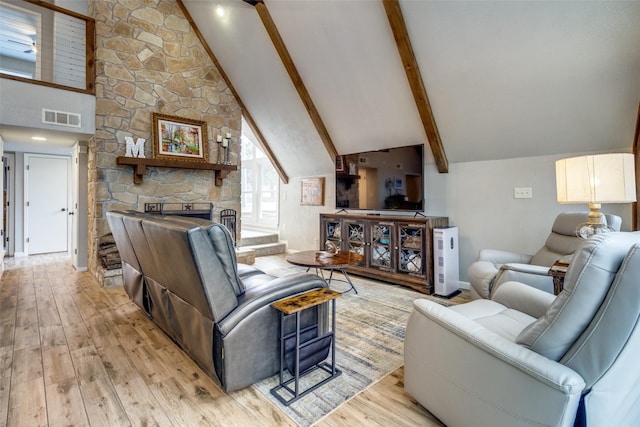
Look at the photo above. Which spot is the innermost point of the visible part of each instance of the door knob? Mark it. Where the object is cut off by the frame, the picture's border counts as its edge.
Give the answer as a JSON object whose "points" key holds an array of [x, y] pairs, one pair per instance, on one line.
{"points": [[70, 213], [63, 210]]}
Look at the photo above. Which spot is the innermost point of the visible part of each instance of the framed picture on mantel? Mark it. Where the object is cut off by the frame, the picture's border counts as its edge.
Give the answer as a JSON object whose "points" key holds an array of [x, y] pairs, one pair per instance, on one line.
{"points": [[179, 138]]}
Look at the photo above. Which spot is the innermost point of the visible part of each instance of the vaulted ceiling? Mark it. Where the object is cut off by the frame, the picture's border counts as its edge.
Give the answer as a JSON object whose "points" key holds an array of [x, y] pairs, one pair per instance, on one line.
{"points": [[504, 79]]}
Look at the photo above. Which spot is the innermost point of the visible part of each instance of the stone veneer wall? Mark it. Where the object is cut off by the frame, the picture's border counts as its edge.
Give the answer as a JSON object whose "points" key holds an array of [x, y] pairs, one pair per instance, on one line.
{"points": [[148, 59]]}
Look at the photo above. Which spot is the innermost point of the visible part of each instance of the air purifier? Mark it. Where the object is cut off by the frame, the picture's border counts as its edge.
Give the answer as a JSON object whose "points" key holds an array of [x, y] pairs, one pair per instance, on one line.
{"points": [[445, 262]]}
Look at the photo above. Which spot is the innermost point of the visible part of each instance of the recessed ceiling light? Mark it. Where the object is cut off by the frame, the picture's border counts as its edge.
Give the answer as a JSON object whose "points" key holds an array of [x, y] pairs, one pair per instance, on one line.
{"points": [[220, 11], [38, 138]]}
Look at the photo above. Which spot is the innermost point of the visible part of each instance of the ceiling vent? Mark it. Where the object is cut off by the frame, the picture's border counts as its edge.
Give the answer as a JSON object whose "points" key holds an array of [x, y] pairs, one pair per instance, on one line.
{"points": [[60, 118]]}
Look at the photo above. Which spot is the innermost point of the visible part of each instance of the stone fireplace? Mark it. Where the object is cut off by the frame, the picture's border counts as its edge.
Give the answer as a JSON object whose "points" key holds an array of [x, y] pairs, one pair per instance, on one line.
{"points": [[149, 59]]}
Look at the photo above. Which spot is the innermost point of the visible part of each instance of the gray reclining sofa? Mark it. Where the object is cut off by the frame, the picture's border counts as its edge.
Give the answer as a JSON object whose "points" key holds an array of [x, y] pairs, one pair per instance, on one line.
{"points": [[182, 272]]}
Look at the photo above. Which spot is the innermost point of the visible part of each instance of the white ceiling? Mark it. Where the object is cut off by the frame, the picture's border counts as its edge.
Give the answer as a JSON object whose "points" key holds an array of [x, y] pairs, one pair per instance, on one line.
{"points": [[20, 139], [506, 79], [525, 78]]}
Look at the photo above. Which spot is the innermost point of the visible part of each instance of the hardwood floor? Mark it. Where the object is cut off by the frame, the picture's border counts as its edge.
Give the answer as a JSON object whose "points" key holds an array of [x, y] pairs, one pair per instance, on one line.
{"points": [[74, 354]]}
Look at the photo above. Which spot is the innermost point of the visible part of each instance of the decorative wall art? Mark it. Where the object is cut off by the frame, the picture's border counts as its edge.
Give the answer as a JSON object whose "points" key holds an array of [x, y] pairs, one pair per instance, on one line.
{"points": [[134, 149], [178, 138], [312, 191]]}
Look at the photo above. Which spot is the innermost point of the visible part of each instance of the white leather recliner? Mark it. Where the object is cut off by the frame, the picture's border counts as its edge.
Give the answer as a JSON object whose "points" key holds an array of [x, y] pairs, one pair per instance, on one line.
{"points": [[494, 267], [527, 357]]}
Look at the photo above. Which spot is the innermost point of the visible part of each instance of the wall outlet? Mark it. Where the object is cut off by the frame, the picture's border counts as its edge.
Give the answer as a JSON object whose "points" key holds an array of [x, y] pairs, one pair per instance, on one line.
{"points": [[522, 193]]}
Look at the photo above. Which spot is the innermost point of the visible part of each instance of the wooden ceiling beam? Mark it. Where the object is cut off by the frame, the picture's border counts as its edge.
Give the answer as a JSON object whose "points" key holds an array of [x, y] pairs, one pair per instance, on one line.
{"points": [[399, 28], [296, 79], [245, 112]]}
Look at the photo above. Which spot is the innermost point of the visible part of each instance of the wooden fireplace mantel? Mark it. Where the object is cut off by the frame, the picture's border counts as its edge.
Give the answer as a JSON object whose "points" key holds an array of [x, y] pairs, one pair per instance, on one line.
{"points": [[140, 167]]}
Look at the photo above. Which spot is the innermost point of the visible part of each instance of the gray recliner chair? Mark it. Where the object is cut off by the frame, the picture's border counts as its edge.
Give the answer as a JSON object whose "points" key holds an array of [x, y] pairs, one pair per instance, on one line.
{"points": [[218, 311], [527, 357], [494, 267]]}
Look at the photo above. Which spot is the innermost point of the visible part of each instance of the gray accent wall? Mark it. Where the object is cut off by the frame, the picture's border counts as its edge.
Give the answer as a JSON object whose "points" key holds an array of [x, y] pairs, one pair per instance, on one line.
{"points": [[478, 199]]}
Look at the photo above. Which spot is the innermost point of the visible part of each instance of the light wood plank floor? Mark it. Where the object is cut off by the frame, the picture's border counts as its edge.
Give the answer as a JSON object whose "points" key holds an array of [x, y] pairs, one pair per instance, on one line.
{"points": [[74, 354]]}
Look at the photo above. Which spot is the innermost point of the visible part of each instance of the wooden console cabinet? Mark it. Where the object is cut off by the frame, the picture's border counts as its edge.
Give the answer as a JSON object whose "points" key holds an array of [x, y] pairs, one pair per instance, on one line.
{"points": [[397, 249]]}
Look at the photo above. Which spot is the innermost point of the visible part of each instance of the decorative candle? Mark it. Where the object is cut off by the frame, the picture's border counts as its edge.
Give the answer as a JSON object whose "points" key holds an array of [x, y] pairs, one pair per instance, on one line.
{"points": [[225, 143], [228, 135], [219, 138]]}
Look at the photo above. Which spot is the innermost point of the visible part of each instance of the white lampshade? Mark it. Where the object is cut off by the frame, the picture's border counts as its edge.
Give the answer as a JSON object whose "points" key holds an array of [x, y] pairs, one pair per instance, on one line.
{"points": [[602, 178]]}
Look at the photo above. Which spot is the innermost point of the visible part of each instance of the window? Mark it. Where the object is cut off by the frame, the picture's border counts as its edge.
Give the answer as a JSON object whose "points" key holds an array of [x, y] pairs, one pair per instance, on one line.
{"points": [[259, 188]]}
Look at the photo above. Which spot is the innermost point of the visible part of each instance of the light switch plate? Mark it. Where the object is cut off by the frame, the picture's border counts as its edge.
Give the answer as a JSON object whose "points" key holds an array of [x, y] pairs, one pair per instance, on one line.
{"points": [[522, 193]]}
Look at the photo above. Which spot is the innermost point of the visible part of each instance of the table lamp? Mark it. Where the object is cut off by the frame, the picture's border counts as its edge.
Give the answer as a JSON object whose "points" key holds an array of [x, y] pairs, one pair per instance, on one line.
{"points": [[596, 179]]}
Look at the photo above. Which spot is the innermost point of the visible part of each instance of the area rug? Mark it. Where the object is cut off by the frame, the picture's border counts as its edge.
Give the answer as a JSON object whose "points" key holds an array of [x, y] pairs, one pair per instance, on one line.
{"points": [[370, 328]]}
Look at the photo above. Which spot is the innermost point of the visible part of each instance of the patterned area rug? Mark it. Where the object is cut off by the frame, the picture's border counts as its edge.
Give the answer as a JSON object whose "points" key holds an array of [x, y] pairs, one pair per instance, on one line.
{"points": [[370, 329]]}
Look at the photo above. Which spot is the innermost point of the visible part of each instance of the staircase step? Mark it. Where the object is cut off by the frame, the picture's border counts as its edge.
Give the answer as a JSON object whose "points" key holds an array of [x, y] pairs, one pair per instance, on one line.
{"points": [[253, 238], [267, 248], [245, 255]]}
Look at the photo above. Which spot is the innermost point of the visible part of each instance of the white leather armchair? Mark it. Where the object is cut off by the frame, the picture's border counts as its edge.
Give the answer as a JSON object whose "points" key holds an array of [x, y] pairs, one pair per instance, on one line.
{"points": [[527, 357], [494, 267]]}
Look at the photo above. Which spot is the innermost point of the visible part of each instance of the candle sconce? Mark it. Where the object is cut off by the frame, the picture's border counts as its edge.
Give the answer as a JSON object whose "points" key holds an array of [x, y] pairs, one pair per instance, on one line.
{"points": [[226, 146], [226, 156], [223, 149], [220, 158]]}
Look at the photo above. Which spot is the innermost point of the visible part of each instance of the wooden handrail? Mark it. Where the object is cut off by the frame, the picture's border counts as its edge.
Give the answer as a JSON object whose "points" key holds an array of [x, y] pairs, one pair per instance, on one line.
{"points": [[414, 77]]}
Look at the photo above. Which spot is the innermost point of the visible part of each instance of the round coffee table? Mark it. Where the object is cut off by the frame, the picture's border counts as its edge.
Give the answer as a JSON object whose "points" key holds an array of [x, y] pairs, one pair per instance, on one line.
{"points": [[318, 260]]}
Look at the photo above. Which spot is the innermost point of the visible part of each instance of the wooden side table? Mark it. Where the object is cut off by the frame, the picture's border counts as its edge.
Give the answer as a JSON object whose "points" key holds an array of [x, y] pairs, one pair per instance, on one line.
{"points": [[558, 271], [294, 306]]}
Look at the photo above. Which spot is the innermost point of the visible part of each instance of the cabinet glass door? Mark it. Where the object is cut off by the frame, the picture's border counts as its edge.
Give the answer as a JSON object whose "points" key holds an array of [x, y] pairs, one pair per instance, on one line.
{"points": [[355, 233], [411, 253], [381, 246], [333, 232]]}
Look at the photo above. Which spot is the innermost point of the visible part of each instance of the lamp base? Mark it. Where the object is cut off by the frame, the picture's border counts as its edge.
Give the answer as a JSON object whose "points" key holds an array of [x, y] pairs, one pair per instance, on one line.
{"points": [[595, 224], [587, 229]]}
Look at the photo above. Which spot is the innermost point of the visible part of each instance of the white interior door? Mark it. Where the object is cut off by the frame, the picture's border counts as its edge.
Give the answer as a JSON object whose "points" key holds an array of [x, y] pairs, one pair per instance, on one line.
{"points": [[47, 203]]}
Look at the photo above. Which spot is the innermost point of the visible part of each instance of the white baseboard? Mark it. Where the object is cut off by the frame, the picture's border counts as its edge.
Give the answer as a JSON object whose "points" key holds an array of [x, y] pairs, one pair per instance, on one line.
{"points": [[19, 254]]}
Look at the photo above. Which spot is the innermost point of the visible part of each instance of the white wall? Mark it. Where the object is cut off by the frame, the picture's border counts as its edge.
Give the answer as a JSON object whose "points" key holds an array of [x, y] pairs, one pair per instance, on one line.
{"points": [[25, 110], [79, 6], [28, 100], [476, 196], [300, 225], [80, 180], [478, 199]]}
